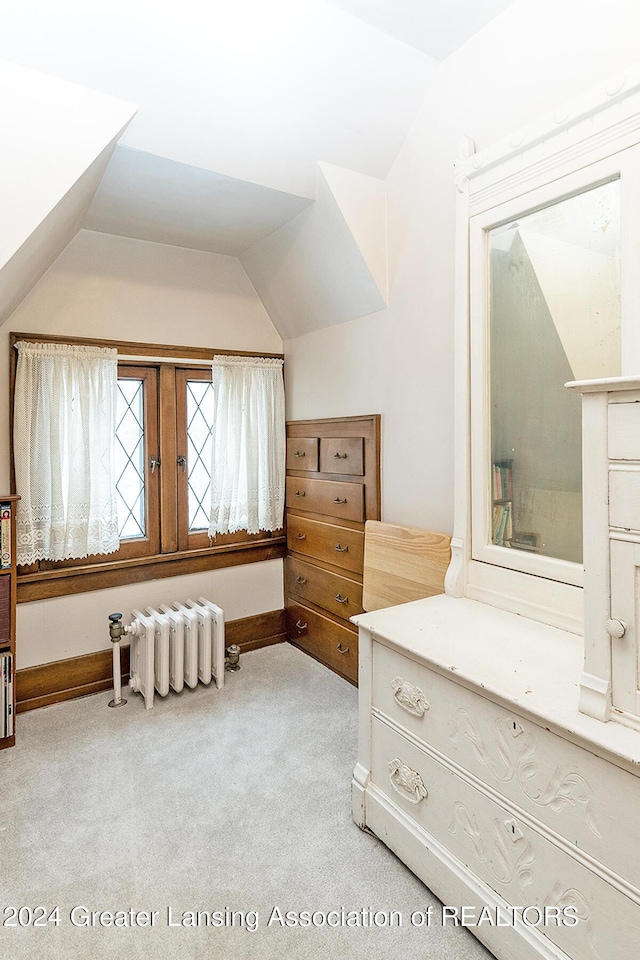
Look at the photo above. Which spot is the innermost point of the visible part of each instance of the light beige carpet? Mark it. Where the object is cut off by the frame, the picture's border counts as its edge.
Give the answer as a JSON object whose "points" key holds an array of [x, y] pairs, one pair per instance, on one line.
{"points": [[234, 799]]}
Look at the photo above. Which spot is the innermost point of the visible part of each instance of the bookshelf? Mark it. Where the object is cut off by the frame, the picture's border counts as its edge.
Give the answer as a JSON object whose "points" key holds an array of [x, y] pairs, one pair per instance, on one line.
{"points": [[7, 620]]}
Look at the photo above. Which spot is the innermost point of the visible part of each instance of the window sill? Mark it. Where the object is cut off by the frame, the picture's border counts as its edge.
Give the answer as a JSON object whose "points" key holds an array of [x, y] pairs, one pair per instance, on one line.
{"points": [[98, 576]]}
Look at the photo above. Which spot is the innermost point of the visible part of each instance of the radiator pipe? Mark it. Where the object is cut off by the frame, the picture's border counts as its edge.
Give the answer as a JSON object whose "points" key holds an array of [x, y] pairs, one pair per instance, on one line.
{"points": [[116, 630]]}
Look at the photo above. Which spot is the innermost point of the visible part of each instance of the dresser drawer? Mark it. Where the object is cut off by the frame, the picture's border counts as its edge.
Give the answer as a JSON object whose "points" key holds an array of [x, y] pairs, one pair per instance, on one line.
{"points": [[344, 501], [334, 644], [624, 496], [342, 455], [507, 853], [302, 453], [330, 543], [334, 593], [562, 785], [623, 433]]}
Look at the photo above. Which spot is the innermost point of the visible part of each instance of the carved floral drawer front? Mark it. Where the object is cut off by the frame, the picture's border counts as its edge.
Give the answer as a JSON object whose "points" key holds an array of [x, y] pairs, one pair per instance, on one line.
{"points": [[566, 788], [505, 852]]}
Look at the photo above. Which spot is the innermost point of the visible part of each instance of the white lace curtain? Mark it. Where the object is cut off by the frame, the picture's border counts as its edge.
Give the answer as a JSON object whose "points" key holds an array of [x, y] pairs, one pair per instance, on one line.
{"points": [[64, 440], [248, 449]]}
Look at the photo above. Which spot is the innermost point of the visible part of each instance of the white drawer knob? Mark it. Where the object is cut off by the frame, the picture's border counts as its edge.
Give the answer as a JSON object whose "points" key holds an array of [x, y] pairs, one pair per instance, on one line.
{"points": [[616, 629]]}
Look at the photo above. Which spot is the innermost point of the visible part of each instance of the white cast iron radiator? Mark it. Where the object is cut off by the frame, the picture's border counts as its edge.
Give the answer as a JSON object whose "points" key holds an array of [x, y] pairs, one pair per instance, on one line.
{"points": [[176, 645]]}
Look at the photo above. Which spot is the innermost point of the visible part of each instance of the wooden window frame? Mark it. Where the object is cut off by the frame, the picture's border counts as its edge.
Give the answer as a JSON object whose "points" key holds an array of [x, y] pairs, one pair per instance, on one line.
{"points": [[168, 549]]}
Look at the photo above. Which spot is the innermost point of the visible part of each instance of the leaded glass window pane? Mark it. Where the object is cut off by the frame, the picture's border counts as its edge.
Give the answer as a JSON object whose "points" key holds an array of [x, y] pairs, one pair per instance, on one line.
{"points": [[130, 459], [199, 427]]}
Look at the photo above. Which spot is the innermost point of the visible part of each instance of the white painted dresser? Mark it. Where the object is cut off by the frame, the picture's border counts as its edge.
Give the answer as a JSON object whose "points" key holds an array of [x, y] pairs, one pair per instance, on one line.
{"points": [[476, 768], [499, 736]]}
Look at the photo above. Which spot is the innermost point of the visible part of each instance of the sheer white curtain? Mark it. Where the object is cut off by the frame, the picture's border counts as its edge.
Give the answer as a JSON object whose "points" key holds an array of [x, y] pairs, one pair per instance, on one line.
{"points": [[64, 441], [248, 449]]}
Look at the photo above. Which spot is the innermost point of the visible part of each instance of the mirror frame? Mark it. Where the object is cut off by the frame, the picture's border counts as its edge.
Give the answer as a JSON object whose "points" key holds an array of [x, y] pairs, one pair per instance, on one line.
{"points": [[582, 144]]}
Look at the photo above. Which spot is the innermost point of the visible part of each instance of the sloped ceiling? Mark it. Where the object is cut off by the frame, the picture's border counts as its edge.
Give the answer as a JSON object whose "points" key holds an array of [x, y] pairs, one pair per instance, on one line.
{"points": [[433, 26], [252, 90], [57, 140], [313, 272], [147, 197], [237, 104]]}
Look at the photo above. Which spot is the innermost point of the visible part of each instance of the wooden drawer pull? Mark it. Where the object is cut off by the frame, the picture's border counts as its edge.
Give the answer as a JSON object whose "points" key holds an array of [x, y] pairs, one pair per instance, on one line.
{"points": [[301, 579], [340, 456], [339, 500], [300, 493], [340, 599], [299, 453], [410, 698], [300, 625], [301, 536], [407, 782], [342, 649], [341, 549]]}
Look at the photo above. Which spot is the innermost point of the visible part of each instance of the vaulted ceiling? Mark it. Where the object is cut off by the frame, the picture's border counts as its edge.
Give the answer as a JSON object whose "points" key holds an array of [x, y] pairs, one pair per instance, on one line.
{"points": [[433, 26], [237, 103]]}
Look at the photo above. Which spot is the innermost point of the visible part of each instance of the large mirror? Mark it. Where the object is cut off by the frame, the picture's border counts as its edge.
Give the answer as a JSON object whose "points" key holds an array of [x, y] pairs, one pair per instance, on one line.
{"points": [[554, 315]]}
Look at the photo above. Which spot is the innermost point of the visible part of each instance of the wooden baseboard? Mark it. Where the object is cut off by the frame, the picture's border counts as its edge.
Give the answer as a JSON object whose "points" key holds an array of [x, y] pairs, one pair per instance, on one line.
{"points": [[79, 676], [263, 630], [67, 679]]}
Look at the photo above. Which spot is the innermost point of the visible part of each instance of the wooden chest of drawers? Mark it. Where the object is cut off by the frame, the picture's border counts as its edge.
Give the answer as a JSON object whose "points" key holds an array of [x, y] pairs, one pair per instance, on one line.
{"points": [[332, 488]]}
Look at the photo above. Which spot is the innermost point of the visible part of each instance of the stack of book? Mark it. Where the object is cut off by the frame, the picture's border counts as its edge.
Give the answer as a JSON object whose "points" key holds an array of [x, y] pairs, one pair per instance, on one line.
{"points": [[502, 524], [502, 494], [6, 695], [502, 480], [5, 536]]}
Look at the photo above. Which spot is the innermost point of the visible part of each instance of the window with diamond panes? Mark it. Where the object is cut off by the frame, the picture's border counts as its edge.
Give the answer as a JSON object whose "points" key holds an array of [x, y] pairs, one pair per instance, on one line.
{"points": [[130, 459], [199, 425], [163, 478]]}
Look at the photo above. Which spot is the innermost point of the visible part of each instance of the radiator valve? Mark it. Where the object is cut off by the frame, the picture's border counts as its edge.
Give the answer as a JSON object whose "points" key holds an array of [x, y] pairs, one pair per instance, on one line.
{"points": [[232, 660], [116, 627]]}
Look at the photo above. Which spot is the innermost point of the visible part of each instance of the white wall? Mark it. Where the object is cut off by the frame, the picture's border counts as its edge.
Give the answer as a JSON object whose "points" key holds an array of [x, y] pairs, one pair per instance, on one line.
{"points": [[399, 362], [65, 627], [124, 289], [106, 286]]}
